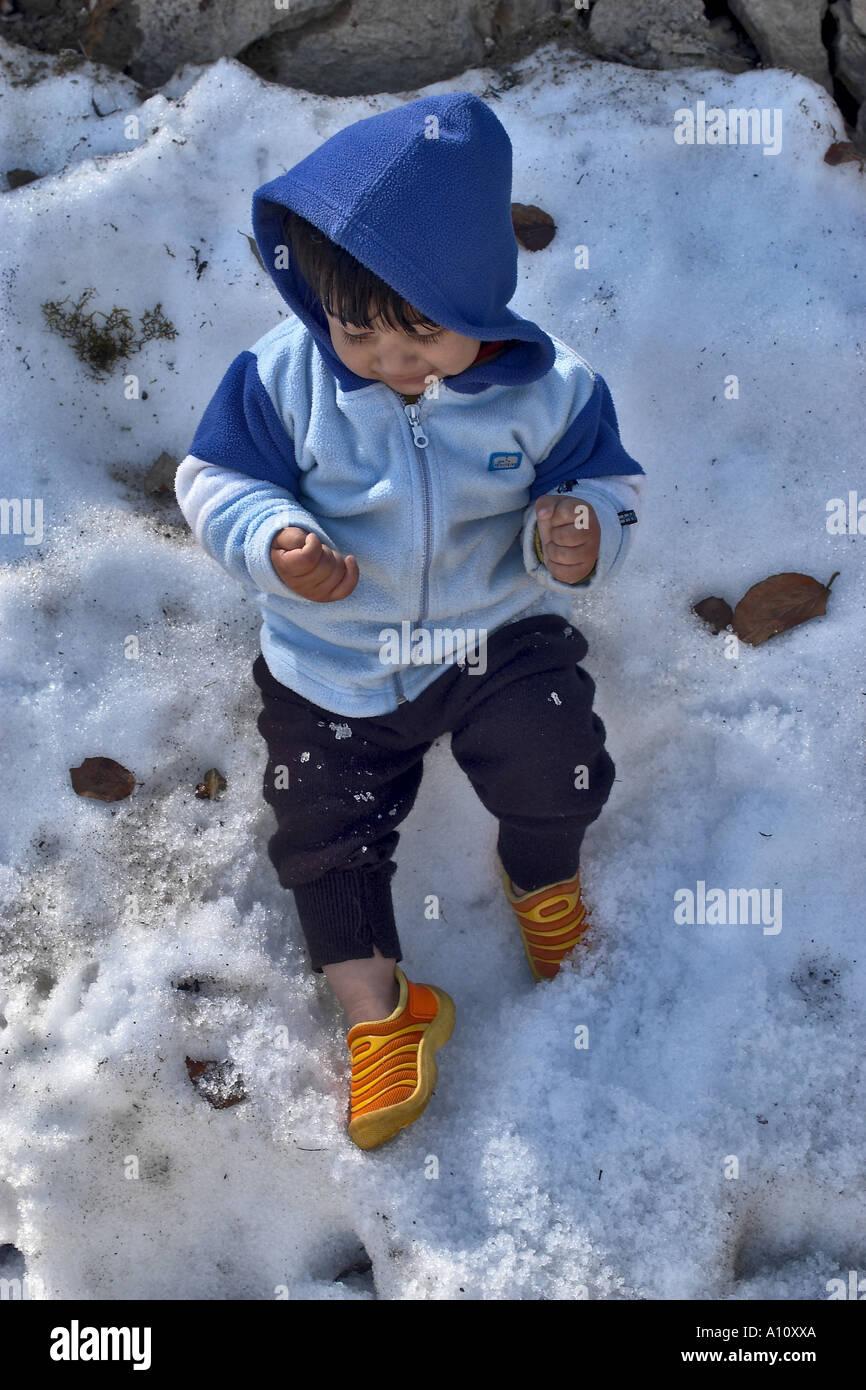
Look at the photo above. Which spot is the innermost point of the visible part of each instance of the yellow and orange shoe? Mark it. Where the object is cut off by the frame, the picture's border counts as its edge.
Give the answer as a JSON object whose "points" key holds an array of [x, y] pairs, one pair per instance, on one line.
{"points": [[552, 921], [393, 1067]]}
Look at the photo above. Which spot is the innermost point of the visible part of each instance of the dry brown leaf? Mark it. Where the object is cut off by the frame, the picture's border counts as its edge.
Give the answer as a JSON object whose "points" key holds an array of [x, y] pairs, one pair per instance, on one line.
{"points": [[776, 604], [211, 785], [219, 1082], [103, 779], [253, 248], [841, 151], [715, 611], [533, 227]]}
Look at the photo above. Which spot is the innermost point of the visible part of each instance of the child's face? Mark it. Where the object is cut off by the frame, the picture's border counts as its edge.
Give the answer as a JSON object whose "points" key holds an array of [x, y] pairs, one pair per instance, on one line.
{"points": [[401, 360]]}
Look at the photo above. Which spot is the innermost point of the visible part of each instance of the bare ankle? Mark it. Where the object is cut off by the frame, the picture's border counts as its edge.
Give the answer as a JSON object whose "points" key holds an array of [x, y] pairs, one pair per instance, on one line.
{"points": [[374, 1011], [366, 989]]}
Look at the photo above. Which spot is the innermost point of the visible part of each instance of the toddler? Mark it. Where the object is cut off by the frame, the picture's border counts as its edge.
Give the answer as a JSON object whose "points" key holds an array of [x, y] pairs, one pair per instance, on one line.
{"points": [[416, 483]]}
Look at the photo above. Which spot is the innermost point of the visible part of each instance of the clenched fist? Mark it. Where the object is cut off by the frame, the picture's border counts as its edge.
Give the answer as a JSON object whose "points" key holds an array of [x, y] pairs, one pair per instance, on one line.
{"points": [[311, 569], [570, 536]]}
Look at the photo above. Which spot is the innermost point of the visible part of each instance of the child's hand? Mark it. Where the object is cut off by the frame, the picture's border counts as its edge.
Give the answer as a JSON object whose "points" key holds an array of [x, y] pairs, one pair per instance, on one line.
{"points": [[570, 536], [311, 569]]}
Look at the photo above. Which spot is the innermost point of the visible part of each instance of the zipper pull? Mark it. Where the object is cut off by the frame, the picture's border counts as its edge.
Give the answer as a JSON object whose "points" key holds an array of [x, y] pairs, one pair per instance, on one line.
{"points": [[418, 434]]}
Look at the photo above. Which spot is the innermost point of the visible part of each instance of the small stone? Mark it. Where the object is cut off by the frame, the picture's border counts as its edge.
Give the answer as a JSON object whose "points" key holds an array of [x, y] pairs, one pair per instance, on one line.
{"points": [[161, 474], [19, 177]]}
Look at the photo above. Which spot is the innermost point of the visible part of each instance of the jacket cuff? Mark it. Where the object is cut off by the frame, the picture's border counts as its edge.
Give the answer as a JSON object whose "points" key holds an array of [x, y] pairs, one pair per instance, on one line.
{"points": [[612, 546]]}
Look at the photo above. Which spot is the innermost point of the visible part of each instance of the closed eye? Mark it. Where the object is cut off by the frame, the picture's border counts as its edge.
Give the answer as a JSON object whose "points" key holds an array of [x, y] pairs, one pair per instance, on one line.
{"points": [[362, 338]]}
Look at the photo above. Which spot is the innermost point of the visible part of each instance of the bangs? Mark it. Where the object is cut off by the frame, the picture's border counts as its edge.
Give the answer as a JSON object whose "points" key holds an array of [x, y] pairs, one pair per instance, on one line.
{"points": [[345, 288]]}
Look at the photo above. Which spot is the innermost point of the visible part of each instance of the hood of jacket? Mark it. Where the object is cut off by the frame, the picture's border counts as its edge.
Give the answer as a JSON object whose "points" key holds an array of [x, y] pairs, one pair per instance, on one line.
{"points": [[420, 195]]}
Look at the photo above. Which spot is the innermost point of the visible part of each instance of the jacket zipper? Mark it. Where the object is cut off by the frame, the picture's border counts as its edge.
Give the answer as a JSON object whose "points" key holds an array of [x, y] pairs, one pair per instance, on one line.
{"points": [[420, 441]]}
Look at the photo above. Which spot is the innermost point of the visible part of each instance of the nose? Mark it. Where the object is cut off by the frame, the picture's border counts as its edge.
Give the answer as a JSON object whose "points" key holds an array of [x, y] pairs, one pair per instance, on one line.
{"points": [[400, 367]]}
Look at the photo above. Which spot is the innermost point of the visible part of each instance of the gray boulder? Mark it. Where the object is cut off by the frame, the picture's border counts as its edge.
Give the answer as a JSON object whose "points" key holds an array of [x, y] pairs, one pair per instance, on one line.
{"points": [[199, 31], [849, 50], [665, 34], [787, 34], [151, 39], [383, 45]]}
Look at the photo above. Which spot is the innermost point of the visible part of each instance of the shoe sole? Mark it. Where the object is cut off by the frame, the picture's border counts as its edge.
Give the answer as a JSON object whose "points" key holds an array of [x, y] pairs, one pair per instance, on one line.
{"points": [[370, 1130]]}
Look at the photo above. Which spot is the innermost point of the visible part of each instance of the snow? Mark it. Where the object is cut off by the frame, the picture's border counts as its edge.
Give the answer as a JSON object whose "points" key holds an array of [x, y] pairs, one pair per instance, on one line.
{"points": [[562, 1170]]}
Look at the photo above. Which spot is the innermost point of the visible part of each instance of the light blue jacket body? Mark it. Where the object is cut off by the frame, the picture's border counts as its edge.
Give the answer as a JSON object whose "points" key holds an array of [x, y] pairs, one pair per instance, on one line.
{"points": [[436, 498]]}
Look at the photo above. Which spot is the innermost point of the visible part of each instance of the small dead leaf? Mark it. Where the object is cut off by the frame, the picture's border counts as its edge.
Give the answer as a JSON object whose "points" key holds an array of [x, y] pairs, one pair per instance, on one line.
{"points": [[533, 227], [219, 1082], [776, 604], [211, 785], [103, 779], [161, 474], [841, 152], [715, 611], [254, 248]]}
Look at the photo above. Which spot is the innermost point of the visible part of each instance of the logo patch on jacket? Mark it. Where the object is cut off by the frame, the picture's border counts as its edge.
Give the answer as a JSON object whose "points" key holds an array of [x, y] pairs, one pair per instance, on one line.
{"points": [[504, 461]]}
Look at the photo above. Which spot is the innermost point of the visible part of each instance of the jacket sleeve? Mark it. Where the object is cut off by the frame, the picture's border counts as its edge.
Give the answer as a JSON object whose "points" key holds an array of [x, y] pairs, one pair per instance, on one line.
{"points": [[590, 464], [235, 518], [238, 485]]}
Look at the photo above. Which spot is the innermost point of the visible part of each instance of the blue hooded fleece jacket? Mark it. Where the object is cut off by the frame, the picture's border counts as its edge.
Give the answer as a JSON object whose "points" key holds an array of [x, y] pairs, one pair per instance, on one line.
{"points": [[435, 496]]}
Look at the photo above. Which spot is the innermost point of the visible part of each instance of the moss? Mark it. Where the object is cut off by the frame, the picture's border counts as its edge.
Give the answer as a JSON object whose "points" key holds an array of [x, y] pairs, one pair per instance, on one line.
{"points": [[68, 61], [102, 340]]}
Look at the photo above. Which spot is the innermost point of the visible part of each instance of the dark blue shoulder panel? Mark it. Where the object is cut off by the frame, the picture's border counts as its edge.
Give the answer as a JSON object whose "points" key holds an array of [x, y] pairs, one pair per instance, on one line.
{"points": [[240, 428], [590, 447]]}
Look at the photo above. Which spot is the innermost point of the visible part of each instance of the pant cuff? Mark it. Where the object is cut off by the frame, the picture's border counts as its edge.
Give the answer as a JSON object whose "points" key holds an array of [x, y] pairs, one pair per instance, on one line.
{"points": [[346, 913], [533, 864]]}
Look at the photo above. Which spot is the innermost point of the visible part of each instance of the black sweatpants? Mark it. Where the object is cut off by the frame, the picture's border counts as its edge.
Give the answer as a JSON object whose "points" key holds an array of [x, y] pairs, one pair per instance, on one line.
{"points": [[522, 730]]}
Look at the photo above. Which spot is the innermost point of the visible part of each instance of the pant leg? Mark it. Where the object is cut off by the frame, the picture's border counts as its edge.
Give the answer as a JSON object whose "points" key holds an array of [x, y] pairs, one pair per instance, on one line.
{"points": [[339, 786], [532, 747]]}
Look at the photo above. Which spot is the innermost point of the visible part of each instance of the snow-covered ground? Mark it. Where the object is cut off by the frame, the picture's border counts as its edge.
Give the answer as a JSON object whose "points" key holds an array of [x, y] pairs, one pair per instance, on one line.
{"points": [[563, 1171]]}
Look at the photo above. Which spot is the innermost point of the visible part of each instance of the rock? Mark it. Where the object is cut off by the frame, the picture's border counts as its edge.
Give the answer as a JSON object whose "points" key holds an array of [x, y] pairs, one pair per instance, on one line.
{"points": [[35, 7], [323, 46], [17, 178], [161, 475], [665, 34], [858, 14], [381, 46], [174, 32], [151, 39], [849, 51], [787, 34]]}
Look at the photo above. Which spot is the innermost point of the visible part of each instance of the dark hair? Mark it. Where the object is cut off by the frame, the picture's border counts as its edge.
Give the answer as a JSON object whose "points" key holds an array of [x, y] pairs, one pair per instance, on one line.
{"points": [[345, 288]]}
